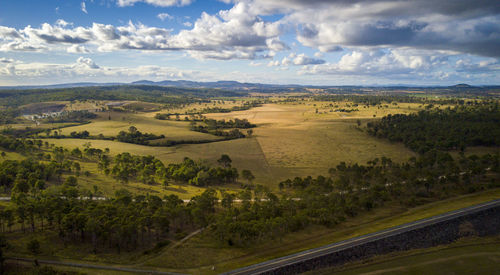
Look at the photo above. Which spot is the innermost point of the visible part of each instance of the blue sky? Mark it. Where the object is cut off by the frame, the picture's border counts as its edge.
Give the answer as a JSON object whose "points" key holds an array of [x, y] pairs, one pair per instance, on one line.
{"points": [[320, 42]]}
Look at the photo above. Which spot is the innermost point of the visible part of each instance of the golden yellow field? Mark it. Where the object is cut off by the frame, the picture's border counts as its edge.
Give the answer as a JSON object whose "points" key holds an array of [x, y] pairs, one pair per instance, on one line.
{"points": [[291, 139], [173, 130]]}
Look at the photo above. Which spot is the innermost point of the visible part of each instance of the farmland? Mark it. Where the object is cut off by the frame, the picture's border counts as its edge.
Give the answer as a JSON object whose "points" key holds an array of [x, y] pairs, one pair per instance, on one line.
{"points": [[290, 140]]}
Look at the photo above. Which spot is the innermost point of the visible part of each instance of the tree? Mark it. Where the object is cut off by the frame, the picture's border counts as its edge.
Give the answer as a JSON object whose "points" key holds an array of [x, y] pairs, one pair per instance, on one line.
{"points": [[77, 167], [225, 161], [249, 133], [3, 244], [71, 181], [227, 199], [247, 174], [33, 246], [132, 129], [4, 154]]}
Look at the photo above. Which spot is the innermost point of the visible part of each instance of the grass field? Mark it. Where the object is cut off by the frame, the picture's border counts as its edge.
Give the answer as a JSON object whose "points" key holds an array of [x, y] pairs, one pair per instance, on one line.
{"points": [[466, 256], [296, 141], [173, 130], [107, 186], [290, 140], [11, 155]]}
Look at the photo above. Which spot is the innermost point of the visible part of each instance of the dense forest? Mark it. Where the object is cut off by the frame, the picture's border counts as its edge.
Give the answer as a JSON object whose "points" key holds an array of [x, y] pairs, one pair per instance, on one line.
{"points": [[376, 99], [9, 115], [194, 113], [443, 129], [156, 94]]}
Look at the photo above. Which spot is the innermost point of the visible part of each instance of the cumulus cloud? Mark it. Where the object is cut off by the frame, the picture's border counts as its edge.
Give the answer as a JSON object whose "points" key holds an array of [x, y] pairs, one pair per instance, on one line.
{"points": [[386, 64], [159, 3], [294, 59], [164, 15], [77, 49], [62, 23], [458, 25], [427, 38], [86, 62], [235, 33], [302, 59], [466, 65]]}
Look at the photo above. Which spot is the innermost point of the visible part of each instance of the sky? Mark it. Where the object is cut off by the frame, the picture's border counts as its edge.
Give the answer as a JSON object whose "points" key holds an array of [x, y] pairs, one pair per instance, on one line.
{"points": [[311, 42]]}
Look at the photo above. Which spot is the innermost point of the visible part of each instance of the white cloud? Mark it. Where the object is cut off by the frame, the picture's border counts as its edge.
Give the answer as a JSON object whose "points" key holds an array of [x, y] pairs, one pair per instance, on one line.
{"points": [[255, 64], [235, 33], [6, 60], [62, 23], [159, 3], [164, 15], [86, 62], [77, 49], [415, 39], [294, 59], [83, 7], [274, 63], [394, 63], [85, 69], [302, 59]]}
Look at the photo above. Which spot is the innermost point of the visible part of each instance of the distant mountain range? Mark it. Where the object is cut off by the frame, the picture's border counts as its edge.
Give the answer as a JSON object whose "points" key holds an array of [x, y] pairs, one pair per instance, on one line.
{"points": [[227, 85]]}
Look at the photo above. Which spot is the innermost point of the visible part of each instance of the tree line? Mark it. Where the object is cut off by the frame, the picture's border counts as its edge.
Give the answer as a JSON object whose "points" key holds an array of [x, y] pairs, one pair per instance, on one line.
{"points": [[349, 190], [444, 129], [172, 96], [128, 222]]}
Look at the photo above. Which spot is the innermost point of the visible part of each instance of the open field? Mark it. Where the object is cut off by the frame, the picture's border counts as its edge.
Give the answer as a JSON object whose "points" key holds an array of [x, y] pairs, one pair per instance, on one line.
{"points": [[466, 256], [107, 185], [173, 130], [290, 140], [33, 125], [245, 153], [11, 155], [297, 141]]}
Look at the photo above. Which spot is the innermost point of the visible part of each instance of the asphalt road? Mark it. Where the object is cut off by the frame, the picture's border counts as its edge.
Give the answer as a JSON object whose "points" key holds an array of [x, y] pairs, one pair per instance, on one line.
{"points": [[339, 246]]}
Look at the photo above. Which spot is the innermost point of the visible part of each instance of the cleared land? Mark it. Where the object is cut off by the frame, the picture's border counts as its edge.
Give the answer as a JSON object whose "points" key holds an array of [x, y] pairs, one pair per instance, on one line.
{"points": [[290, 140], [173, 130]]}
